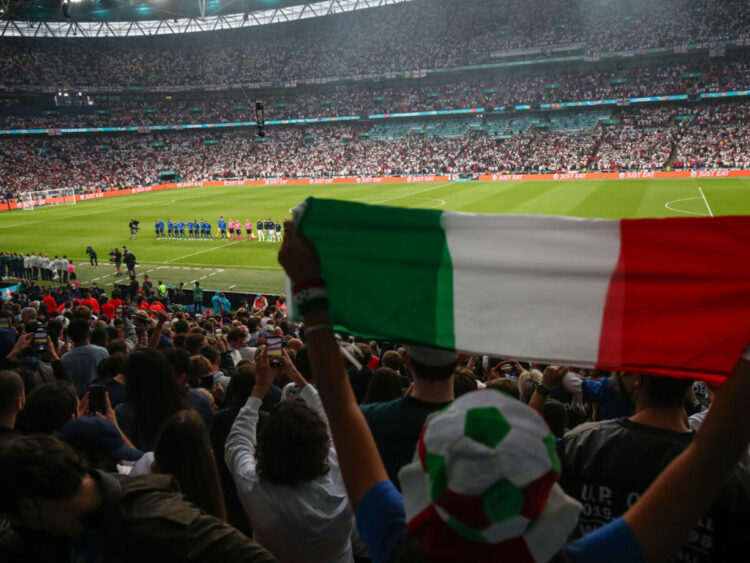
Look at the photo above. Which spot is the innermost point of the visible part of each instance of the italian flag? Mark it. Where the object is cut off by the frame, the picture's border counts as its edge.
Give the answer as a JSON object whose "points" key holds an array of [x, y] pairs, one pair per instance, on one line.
{"points": [[659, 296]]}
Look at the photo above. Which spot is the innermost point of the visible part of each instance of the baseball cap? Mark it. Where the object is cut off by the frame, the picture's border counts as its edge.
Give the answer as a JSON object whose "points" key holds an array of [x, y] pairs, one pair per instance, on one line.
{"points": [[94, 435], [433, 357], [483, 484]]}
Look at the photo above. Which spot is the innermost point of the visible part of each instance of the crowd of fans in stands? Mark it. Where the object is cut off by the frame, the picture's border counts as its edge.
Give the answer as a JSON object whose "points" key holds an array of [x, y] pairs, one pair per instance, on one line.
{"points": [[570, 85], [710, 136], [151, 423], [415, 35]]}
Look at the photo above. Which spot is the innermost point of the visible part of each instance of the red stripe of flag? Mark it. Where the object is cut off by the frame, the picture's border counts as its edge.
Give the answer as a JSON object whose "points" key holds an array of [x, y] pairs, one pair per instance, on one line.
{"points": [[679, 300]]}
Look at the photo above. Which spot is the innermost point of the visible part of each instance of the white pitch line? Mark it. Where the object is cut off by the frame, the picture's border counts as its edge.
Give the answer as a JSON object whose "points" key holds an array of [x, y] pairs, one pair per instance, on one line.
{"points": [[201, 252], [682, 210], [711, 213], [228, 266], [412, 193]]}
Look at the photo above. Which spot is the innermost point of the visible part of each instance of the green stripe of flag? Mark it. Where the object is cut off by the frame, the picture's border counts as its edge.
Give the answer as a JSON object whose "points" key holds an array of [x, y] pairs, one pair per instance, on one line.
{"points": [[388, 270]]}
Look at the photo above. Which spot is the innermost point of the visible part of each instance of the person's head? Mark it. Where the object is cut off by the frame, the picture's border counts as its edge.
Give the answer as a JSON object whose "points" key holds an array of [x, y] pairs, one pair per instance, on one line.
{"points": [[183, 449], [464, 381], [506, 385], [236, 338], [212, 355], [99, 336], [194, 342], [555, 416], [12, 397], [293, 445], [242, 384], [197, 284], [99, 441], [384, 386], [78, 331], [179, 359], [180, 326], [28, 314], [392, 359], [527, 382], [430, 364], [42, 483], [111, 367], [646, 391], [48, 408]]}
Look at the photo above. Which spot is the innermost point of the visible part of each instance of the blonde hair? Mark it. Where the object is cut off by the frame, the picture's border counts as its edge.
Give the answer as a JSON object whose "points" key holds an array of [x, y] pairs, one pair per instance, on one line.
{"points": [[527, 383]]}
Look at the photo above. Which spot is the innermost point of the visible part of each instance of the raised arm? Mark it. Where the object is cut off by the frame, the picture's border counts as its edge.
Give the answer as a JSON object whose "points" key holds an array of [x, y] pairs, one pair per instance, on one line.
{"points": [[359, 460], [239, 450]]}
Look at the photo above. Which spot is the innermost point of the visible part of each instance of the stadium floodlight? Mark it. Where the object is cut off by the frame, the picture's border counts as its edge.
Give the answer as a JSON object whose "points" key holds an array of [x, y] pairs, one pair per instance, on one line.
{"points": [[42, 198], [260, 118]]}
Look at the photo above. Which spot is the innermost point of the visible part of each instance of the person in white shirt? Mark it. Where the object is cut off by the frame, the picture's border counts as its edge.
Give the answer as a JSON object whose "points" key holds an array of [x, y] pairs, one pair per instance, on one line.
{"points": [[293, 492]]}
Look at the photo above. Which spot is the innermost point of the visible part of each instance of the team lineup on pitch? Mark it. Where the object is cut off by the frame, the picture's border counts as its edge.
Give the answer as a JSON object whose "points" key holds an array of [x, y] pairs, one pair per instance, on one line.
{"points": [[225, 261]]}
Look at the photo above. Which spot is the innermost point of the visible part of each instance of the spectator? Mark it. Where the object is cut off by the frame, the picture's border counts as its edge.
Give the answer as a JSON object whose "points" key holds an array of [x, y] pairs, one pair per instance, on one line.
{"points": [[182, 449], [152, 395], [396, 425], [48, 408], [384, 386], [82, 362], [610, 463], [99, 441], [53, 495], [289, 483], [12, 399]]}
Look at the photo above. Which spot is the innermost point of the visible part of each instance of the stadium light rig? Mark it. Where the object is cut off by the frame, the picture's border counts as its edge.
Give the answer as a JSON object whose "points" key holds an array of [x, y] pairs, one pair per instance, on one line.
{"points": [[260, 118]]}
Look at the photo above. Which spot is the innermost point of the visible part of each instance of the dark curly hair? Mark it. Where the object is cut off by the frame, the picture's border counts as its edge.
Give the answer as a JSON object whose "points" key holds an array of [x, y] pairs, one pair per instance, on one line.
{"points": [[293, 445]]}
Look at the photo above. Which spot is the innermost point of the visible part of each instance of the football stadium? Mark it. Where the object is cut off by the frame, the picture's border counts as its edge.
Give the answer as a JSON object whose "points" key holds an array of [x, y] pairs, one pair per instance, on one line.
{"points": [[374, 280]]}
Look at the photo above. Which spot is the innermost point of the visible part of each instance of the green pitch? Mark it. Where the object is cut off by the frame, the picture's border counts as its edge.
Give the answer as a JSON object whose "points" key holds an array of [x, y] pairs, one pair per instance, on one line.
{"points": [[252, 266]]}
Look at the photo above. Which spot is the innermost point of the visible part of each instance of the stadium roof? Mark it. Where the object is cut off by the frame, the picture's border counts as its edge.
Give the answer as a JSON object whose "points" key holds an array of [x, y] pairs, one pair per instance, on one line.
{"points": [[133, 18]]}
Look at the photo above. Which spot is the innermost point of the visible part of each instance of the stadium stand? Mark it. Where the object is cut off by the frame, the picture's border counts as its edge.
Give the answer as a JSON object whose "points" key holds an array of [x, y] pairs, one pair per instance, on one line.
{"points": [[201, 450]]}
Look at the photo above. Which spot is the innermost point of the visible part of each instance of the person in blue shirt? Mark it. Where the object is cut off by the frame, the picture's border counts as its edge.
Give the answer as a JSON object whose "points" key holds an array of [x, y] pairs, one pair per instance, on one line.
{"points": [[181, 225], [220, 303], [208, 230], [170, 228], [261, 232], [270, 232], [278, 231], [652, 529], [156, 228], [161, 228], [190, 225], [222, 226]]}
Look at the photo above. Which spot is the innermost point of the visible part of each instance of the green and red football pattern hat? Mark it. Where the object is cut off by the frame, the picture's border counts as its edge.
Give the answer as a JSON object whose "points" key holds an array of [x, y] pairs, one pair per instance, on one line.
{"points": [[482, 486]]}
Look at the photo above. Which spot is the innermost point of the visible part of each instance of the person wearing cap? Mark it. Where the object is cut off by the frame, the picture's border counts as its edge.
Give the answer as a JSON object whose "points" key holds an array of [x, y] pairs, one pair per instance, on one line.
{"points": [[436, 520], [396, 425], [260, 301], [100, 441]]}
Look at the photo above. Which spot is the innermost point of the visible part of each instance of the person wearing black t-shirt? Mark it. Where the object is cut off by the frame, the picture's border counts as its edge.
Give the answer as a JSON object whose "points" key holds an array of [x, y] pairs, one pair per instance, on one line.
{"points": [[396, 424], [608, 465]]}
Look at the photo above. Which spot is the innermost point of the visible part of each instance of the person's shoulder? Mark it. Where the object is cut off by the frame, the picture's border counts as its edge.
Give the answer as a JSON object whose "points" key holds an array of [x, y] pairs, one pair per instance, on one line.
{"points": [[376, 410], [582, 431]]}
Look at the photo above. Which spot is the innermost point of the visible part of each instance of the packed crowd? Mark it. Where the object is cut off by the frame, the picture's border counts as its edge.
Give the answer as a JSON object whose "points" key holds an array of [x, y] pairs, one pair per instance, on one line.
{"points": [[645, 138], [543, 87], [416, 35], [165, 425]]}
